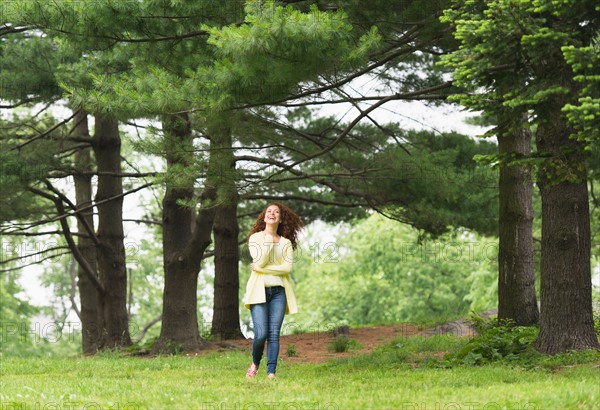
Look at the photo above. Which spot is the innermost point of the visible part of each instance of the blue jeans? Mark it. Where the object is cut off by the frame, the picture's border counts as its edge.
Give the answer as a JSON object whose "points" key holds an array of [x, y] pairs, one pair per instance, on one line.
{"points": [[267, 319]]}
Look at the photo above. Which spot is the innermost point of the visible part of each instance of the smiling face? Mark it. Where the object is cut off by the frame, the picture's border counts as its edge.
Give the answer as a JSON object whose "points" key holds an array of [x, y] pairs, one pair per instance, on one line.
{"points": [[273, 215]]}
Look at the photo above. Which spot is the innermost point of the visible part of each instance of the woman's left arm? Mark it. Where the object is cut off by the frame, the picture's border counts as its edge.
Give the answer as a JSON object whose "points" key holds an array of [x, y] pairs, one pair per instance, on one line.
{"points": [[284, 268]]}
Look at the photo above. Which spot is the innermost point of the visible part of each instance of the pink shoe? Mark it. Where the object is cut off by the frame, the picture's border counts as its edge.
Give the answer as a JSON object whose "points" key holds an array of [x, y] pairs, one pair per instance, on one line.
{"points": [[252, 370]]}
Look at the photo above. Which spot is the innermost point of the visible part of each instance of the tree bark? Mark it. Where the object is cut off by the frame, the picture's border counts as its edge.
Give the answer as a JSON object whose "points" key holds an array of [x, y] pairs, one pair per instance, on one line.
{"points": [[111, 251], [226, 314], [179, 331], [179, 317], [516, 278], [566, 320], [91, 318]]}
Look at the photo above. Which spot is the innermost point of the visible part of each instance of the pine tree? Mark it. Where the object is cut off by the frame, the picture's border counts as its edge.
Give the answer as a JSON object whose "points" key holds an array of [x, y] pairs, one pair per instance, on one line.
{"points": [[507, 48]]}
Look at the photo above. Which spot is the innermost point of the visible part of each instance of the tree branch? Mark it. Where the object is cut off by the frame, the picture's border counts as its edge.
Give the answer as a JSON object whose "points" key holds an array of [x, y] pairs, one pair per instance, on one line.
{"points": [[146, 328], [132, 40], [89, 271], [302, 175], [346, 131], [255, 197], [106, 173], [67, 214], [370, 98], [339, 83], [73, 288], [73, 207], [29, 255], [44, 134], [22, 102], [144, 221], [6, 29], [57, 232], [382, 129], [35, 263]]}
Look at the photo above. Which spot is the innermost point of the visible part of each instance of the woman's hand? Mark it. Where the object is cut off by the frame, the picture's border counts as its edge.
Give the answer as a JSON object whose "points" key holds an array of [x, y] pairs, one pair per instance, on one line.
{"points": [[252, 266]]}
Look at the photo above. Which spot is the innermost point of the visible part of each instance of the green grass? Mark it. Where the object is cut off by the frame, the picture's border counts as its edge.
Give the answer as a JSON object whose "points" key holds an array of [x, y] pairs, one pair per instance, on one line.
{"points": [[343, 344], [392, 377], [291, 350]]}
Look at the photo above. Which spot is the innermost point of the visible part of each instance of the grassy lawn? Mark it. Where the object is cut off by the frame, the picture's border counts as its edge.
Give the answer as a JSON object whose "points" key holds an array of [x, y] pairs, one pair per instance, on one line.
{"points": [[393, 377]]}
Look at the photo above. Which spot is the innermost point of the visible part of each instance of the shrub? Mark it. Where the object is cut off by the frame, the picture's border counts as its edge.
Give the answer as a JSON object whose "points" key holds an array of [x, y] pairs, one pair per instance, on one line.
{"points": [[497, 340], [343, 344], [291, 350]]}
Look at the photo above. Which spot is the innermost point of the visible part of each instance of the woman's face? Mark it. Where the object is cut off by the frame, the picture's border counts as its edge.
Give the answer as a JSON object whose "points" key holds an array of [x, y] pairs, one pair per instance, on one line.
{"points": [[273, 215]]}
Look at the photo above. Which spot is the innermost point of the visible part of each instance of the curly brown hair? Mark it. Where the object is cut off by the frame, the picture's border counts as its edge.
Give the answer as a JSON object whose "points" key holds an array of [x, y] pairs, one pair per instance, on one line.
{"points": [[290, 225]]}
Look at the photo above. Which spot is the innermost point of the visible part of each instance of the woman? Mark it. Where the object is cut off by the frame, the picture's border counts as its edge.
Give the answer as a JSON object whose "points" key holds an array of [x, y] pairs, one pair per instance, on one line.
{"points": [[269, 293]]}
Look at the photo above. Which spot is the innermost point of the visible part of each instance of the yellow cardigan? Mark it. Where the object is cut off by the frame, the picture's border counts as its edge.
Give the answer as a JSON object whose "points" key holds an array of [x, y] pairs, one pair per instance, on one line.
{"points": [[272, 259]]}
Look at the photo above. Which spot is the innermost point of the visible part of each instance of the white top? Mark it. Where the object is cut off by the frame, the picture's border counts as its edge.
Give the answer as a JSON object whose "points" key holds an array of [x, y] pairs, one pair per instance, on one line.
{"points": [[270, 259]]}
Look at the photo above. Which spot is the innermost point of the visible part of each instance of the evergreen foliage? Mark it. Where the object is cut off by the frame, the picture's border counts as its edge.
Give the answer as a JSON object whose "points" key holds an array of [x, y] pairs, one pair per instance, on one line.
{"points": [[505, 61]]}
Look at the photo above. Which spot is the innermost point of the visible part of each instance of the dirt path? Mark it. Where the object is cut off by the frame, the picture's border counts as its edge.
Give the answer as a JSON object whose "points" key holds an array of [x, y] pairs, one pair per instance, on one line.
{"points": [[314, 347]]}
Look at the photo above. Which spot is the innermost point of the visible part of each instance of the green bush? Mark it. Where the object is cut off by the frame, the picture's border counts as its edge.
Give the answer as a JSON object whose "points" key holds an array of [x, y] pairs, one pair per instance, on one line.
{"points": [[291, 351], [497, 340], [343, 344]]}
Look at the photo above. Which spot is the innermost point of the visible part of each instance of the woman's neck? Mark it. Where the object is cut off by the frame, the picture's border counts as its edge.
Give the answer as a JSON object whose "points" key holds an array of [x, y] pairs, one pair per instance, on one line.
{"points": [[271, 229]]}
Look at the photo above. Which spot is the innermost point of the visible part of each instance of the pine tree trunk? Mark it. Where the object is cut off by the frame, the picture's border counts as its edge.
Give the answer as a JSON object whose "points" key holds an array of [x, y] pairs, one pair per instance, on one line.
{"points": [[516, 277], [180, 321], [179, 330], [226, 314], [566, 320], [91, 318], [111, 251]]}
